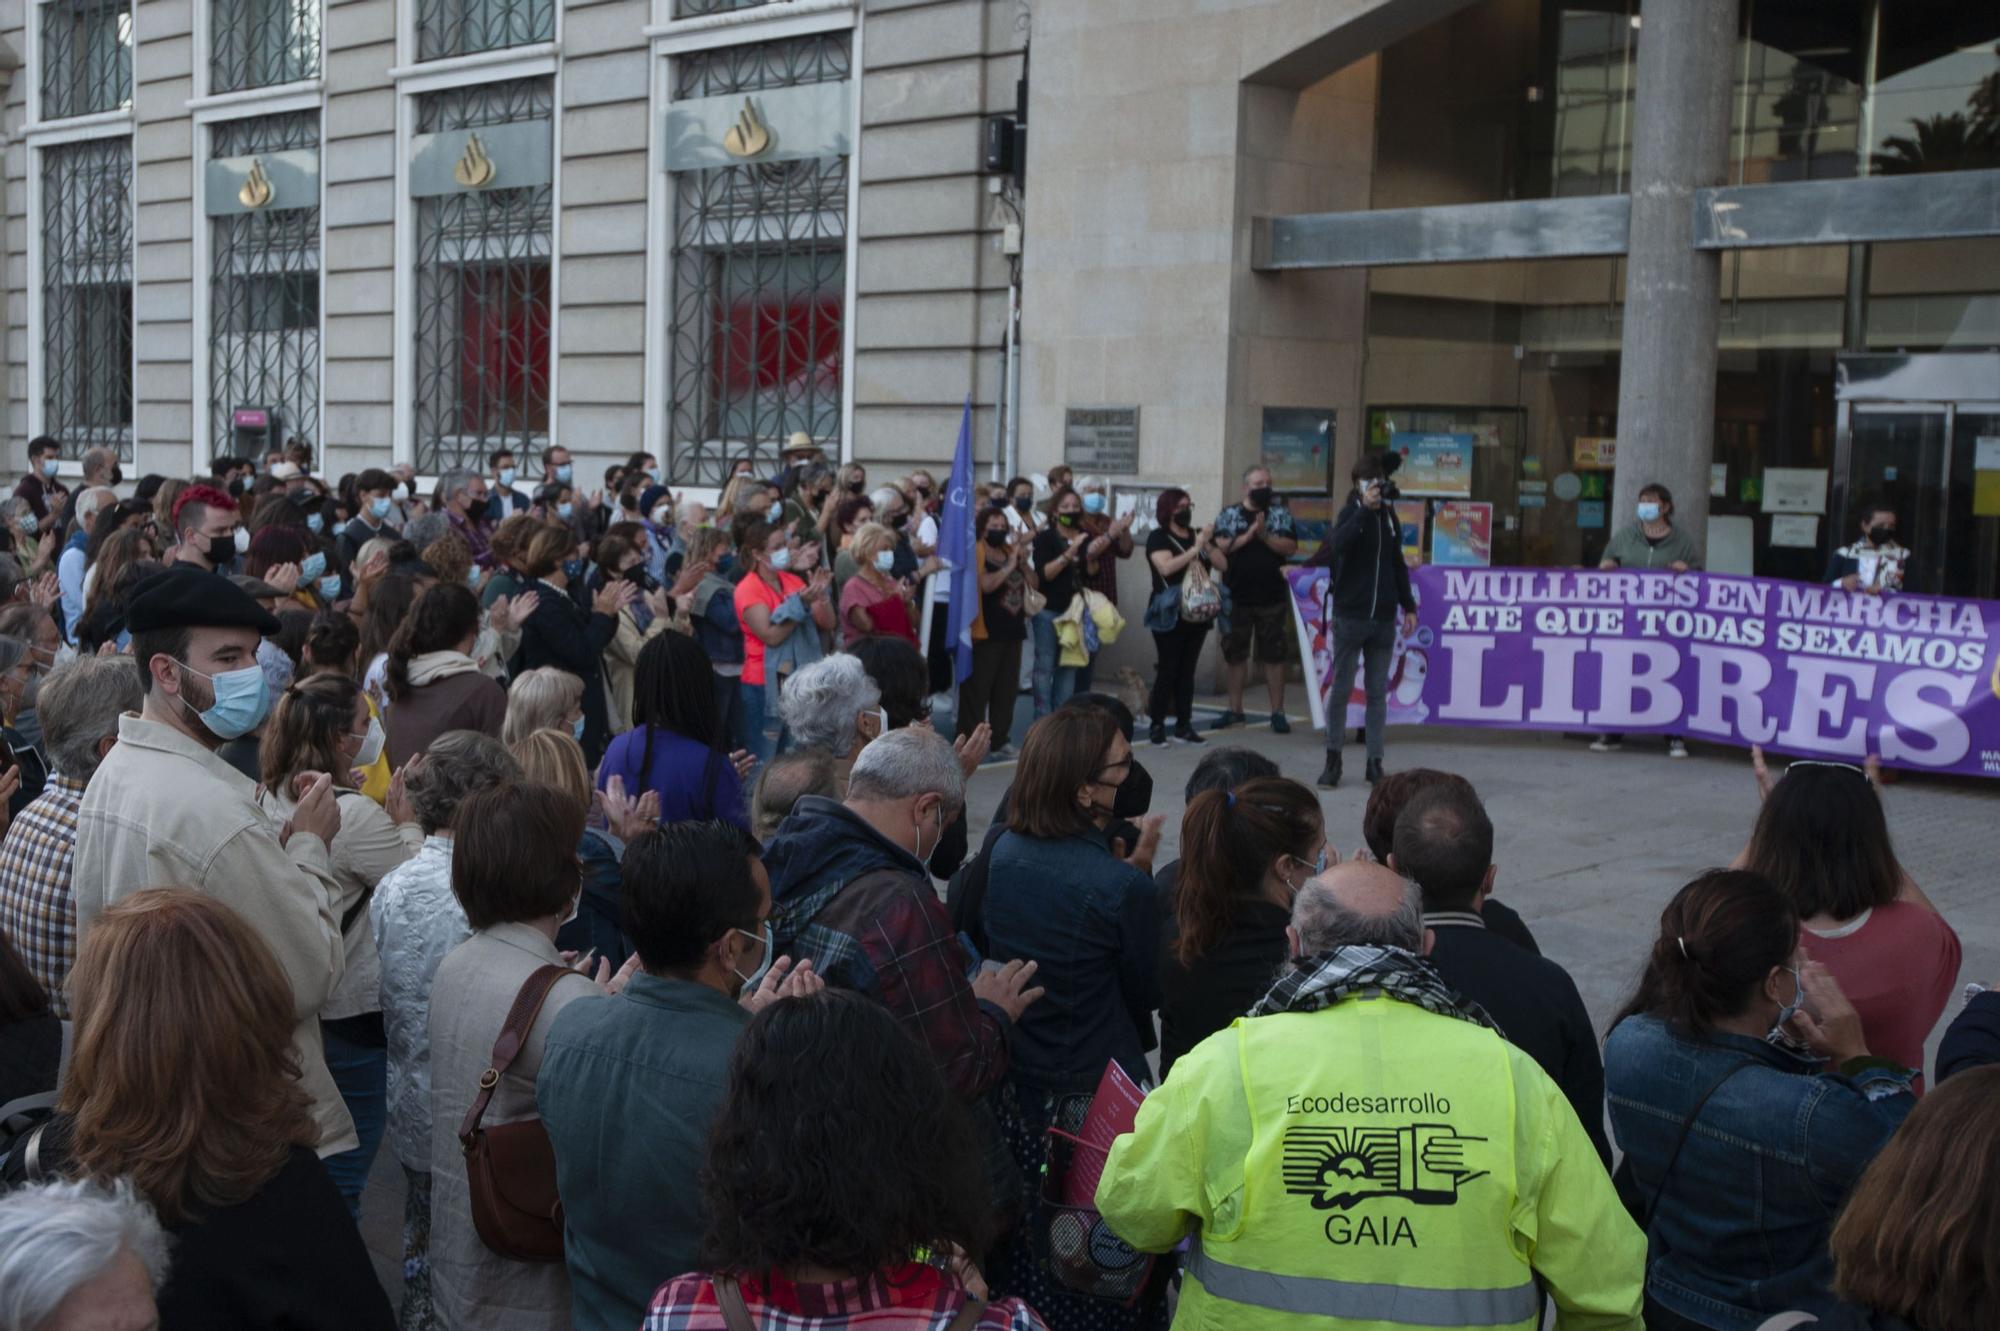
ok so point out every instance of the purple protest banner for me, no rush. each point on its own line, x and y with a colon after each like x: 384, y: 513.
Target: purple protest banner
x: 1801, y: 669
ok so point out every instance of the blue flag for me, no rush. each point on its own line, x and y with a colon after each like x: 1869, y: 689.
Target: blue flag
x: 957, y: 550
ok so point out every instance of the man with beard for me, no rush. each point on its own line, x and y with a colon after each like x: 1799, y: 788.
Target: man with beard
x: 164, y: 810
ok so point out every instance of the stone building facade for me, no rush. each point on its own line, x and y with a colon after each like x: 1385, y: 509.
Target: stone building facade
x: 268, y: 215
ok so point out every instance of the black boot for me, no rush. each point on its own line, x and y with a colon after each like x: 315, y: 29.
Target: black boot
x: 1158, y: 735
x: 1374, y: 770
x: 1329, y: 776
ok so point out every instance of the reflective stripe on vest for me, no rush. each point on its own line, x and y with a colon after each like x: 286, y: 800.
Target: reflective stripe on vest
x: 1314, y: 1296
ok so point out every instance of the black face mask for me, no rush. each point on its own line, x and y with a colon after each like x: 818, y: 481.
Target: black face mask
x: 1135, y: 793
x: 1068, y: 519
x: 1881, y: 535
x: 997, y: 539
x: 1261, y: 496
x: 854, y: 487
x: 897, y: 523
x: 1023, y: 503
x: 638, y: 577
x: 1184, y: 516
x: 222, y: 551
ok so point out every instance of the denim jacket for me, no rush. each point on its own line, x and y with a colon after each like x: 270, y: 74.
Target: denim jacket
x: 1741, y: 1231
x: 1093, y: 922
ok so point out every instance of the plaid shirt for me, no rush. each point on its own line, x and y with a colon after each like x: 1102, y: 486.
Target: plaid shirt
x: 36, y: 909
x: 903, y: 1300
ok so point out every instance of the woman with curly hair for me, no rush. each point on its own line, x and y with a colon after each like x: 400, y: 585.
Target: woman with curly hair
x: 184, y: 1080
x: 844, y: 1186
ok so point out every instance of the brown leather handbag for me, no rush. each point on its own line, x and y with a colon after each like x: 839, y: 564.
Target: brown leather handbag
x: 511, y: 1168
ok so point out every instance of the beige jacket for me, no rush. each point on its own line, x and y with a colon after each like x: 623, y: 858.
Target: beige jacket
x: 165, y: 812
x: 474, y: 1288
x: 621, y: 665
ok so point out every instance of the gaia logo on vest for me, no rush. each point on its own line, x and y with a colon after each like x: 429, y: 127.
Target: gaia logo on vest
x: 1339, y: 1168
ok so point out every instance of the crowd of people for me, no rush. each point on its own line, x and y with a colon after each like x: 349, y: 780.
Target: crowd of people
x: 596, y: 853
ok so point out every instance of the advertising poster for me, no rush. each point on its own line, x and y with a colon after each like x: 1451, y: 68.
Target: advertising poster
x: 1434, y: 465
x: 1297, y: 447
x: 1312, y: 517
x: 1462, y: 534
x: 1410, y: 518
x: 1803, y: 670
x: 1595, y: 453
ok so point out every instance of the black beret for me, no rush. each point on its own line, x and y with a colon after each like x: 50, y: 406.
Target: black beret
x: 187, y: 597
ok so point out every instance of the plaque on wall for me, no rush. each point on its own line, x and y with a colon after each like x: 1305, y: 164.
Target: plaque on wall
x: 1101, y: 439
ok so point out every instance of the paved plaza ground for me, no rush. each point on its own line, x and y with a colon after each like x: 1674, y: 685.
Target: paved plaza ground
x: 1590, y: 847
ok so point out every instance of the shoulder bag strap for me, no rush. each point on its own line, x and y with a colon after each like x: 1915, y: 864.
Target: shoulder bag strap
x: 1687, y: 1129
x: 729, y: 1298
x: 513, y: 1034
x: 968, y: 1316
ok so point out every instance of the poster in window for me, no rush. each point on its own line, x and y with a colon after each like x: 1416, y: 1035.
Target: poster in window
x: 1410, y: 522
x: 1297, y: 447
x: 1462, y: 535
x: 1434, y: 465
x: 1312, y: 521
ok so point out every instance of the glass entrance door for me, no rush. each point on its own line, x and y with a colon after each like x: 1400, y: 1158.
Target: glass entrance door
x: 1897, y: 455
x: 1972, y: 524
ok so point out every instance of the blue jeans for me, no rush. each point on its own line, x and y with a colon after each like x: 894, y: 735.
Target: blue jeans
x: 751, y: 701
x: 1374, y: 641
x: 361, y: 1071
x: 1053, y: 683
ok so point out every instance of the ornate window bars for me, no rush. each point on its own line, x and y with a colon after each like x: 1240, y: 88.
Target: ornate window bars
x: 263, y: 309
x: 448, y: 28
x: 86, y: 56
x: 262, y: 43
x: 758, y: 262
x: 86, y: 280
x: 482, y: 295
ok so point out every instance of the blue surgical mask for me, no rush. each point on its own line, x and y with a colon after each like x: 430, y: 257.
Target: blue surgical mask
x: 564, y: 472
x: 314, y: 522
x: 770, y: 942
x: 726, y: 563
x: 506, y: 476
x: 329, y: 587
x: 472, y: 576
x: 379, y: 507
x: 1649, y: 512
x: 1093, y: 503
x: 242, y: 697
x: 781, y: 558
x: 654, y: 472
x: 576, y: 731
x: 50, y: 466
x: 312, y: 566
x: 885, y: 560
x: 564, y: 510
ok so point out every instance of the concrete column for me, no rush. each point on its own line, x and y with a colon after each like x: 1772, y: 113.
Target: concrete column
x: 1680, y: 143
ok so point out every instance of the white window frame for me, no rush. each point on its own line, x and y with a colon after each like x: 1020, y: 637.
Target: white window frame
x: 269, y: 101
x: 670, y: 37
x: 208, y: 100
x: 542, y: 60
x: 38, y: 135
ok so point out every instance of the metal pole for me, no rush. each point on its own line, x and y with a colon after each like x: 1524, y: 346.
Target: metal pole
x: 1000, y: 417
x: 1680, y: 143
x: 1013, y: 379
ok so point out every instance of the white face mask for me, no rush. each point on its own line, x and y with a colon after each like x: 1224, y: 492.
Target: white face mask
x: 242, y: 539
x: 371, y: 745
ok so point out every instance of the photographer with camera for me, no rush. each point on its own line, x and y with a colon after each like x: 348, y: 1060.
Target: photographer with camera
x: 1371, y: 585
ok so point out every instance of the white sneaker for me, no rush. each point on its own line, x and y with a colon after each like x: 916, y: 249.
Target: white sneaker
x: 1676, y: 749
x: 1605, y: 744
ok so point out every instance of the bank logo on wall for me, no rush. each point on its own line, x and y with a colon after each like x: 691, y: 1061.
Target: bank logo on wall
x: 1339, y: 1168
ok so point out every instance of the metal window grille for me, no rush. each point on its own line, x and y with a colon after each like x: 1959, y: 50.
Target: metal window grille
x: 694, y: 8
x: 262, y: 43
x: 263, y: 294
x: 86, y: 57
x: 87, y: 295
x: 482, y: 295
x: 461, y: 27
x: 758, y: 265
